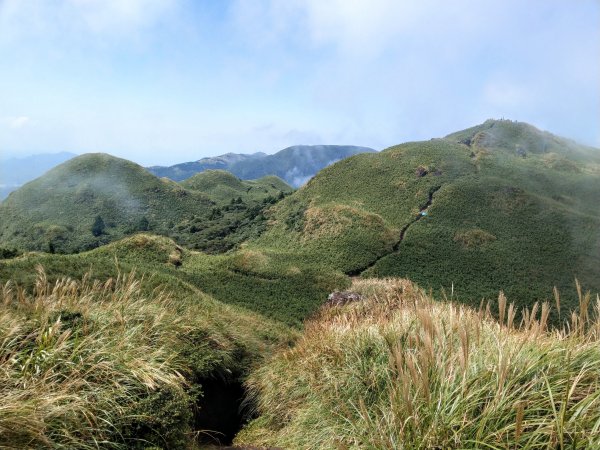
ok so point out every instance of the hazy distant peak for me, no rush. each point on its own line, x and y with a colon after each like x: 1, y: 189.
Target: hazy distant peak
x: 295, y: 165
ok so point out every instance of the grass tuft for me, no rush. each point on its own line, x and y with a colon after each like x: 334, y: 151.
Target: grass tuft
x: 400, y: 370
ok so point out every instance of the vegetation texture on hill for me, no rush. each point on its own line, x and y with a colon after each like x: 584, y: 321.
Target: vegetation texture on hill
x: 397, y: 369
x: 499, y: 206
x: 120, y: 362
x: 95, y: 199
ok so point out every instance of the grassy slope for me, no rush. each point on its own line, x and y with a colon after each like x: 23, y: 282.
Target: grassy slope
x: 400, y: 370
x: 498, y: 220
x: 135, y: 342
x: 56, y: 212
x: 223, y: 186
x: 60, y: 207
x: 272, y: 284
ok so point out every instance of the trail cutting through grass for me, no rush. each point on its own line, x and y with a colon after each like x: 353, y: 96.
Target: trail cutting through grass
x: 422, y: 213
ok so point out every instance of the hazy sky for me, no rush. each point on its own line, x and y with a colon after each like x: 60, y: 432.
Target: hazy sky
x: 166, y: 81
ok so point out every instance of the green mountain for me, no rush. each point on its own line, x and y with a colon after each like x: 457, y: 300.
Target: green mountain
x: 223, y: 186
x: 501, y: 206
x: 96, y: 198
x: 142, y: 350
x: 295, y: 165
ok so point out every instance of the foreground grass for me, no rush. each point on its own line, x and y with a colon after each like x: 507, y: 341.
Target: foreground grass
x: 89, y: 364
x: 399, y: 370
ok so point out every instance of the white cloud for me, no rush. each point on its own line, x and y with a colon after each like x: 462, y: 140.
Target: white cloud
x: 56, y: 20
x: 107, y: 15
x: 506, y: 94
x: 18, y: 122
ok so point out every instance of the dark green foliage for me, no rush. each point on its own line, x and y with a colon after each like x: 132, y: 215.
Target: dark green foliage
x: 6, y: 253
x: 98, y: 227
x: 162, y: 419
x: 144, y: 225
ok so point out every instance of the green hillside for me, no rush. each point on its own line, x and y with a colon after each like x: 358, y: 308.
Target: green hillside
x: 223, y: 186
x: 127, y: 353
x: 270, y: 283
x: 95, y: 199
x: 494, y: 218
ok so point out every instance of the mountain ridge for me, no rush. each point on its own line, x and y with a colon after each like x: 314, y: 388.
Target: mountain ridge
x: 295, y: 164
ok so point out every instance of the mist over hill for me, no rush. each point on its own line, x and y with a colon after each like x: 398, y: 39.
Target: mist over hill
x: 96, y: 198
x: 295, y: 165
x: 501, y: 205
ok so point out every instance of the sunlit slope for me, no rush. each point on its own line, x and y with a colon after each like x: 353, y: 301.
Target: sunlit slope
x: 147, y: 351
x: 522, y: 139
x: 223, y: 186
x: 401, y: 370
x: 494, y: 218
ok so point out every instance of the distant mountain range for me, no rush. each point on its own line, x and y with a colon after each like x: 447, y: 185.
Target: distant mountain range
x: 15, y: 172
x: 295, y: 165
x: 182, y: 171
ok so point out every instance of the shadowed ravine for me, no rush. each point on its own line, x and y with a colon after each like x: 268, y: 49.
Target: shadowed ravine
x: 358, y: 272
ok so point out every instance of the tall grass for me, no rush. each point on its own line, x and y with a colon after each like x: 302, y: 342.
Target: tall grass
x: 400, y: 370
x: 117, y: 364
x: 77, y: 357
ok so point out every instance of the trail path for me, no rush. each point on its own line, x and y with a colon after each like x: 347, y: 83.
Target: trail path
x: 358, y: 272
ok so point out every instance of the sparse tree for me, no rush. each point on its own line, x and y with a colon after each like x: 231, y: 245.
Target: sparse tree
x: 143, y: 224
x: 98, y: 226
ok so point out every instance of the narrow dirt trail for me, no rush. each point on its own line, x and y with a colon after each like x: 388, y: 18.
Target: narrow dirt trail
x: 358, y: 272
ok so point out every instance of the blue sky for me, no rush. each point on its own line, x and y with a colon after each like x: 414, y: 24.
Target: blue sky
x: 166, y: 81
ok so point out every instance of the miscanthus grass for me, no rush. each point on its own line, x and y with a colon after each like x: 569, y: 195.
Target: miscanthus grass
x: 402, y: 371
x: 77, y: 357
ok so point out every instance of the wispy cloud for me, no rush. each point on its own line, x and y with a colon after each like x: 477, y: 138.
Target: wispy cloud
x: 73, y: 19
x: 17, y: 122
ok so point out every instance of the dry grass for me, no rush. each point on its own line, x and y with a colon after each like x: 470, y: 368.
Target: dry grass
x: 76, y: 356
x: 88, y: 364
x: 401, y: 370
